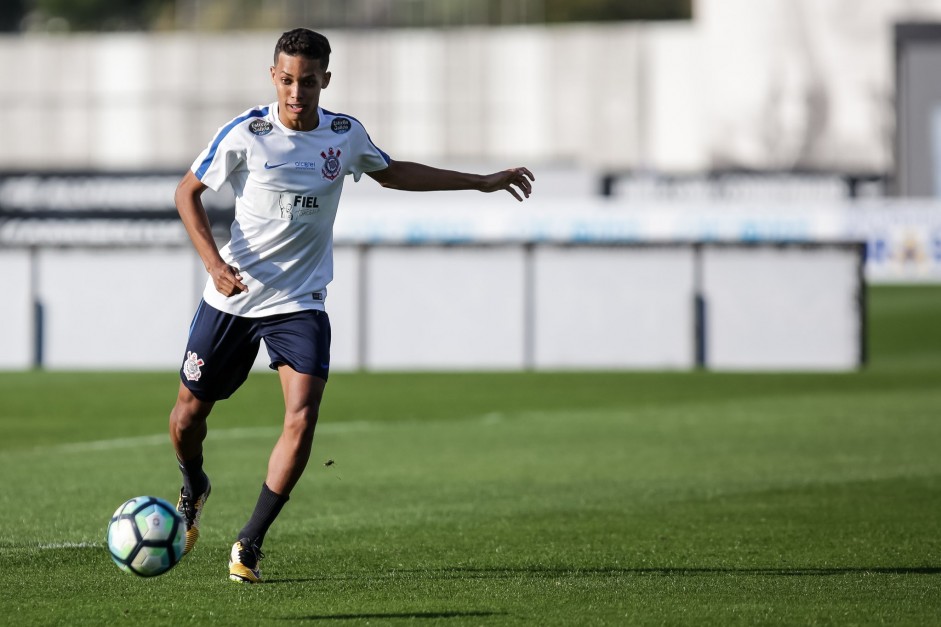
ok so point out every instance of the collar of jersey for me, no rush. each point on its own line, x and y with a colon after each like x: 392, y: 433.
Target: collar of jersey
x: 290, y: 131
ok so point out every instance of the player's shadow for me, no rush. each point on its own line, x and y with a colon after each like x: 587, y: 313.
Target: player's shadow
x: 796, y: 571
x: 461, y: 572
x: 466, y: 572
x: 379, y: 616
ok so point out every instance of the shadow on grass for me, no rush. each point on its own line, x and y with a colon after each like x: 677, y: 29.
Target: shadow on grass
x: 459, y: 572
x: 429, y: 615
x: 502, y: 573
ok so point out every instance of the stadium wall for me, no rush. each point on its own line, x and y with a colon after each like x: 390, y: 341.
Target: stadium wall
x: 777, y: 84
x: 468, y: 307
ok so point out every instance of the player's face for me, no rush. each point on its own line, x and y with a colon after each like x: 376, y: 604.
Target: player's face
x: 298, y: 81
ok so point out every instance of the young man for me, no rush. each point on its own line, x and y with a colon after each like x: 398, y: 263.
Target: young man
x: 286, y: 163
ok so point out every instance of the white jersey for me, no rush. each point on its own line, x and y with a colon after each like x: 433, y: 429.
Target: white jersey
x: 287, y: 187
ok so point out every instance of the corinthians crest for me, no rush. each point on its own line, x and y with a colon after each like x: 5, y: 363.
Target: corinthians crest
x: 331, y: 164
x: 191, y: 367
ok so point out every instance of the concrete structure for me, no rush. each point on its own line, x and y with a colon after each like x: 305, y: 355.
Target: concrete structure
x: 766, y: 84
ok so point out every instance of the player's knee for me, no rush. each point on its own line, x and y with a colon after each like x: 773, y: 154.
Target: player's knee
x: 299, y: 424
x: 189, y: 412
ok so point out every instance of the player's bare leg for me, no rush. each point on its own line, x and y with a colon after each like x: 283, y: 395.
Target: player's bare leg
x: 302, y: 396
x: 188, y: 424
x: 187, y: 432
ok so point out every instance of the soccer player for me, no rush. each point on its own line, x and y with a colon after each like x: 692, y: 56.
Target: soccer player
x: 286, y: 163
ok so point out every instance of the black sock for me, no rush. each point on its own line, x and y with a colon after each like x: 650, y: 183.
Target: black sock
x: 266, y: 510
x: 195, y: 480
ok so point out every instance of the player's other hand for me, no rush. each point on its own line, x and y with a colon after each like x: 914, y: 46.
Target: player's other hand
x: 227, y: 280
x: 515, y: 180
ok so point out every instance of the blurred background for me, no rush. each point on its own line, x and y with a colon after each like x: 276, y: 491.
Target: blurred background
x: 718, y: 181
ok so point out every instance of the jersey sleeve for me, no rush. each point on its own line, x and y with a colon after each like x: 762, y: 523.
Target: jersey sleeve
x: 367, y: 156
x: 228, y: 148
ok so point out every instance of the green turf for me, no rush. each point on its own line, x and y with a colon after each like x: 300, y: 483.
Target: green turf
x: 491, y: 499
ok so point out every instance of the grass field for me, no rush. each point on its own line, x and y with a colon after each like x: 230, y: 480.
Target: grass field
x: 491, y: 499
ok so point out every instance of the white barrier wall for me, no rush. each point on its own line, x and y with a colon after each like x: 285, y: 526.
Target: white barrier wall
x: 782, y: 308
x: 453, y: 308
x: 470, y: 307
x: 16, y: 313
x: 614, y: 307
x: 343, y: 306
x: 115, y: 308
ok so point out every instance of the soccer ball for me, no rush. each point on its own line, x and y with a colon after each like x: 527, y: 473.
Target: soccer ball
x: 146, y: 536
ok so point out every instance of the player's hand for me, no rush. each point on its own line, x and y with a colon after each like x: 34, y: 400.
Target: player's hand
x: 515, y: 180
x: 227, y: 280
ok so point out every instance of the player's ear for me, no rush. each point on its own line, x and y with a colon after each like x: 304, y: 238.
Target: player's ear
x: 326, y: 79
x: 272, y: 74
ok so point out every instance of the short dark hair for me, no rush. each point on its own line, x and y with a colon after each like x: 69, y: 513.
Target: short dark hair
x: 305, y: 43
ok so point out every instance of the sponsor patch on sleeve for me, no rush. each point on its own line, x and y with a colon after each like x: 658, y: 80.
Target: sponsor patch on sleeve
x: 260, y: 127
x: 340, y: 125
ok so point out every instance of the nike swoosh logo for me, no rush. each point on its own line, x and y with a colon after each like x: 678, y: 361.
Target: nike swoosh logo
x: 276, y: 165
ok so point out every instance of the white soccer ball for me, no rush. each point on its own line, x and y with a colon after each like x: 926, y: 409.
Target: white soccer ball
x: 146, y: 536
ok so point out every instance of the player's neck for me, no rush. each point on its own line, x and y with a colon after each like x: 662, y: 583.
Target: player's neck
x: 307, y: 123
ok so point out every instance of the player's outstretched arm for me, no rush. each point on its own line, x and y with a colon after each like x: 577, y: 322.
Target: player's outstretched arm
x: 417, y: 177
x: 227, y: 279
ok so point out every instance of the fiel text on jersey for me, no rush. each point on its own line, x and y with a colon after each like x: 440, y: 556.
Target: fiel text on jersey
x: 297, y: 205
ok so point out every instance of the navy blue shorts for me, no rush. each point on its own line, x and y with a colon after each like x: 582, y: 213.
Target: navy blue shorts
x: 222, y: 348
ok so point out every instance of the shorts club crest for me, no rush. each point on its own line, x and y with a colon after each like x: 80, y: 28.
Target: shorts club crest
x: 191, y: 367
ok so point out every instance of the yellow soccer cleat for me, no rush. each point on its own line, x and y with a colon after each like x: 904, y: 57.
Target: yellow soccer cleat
x: 243, y: 562
x: 191, y: 510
